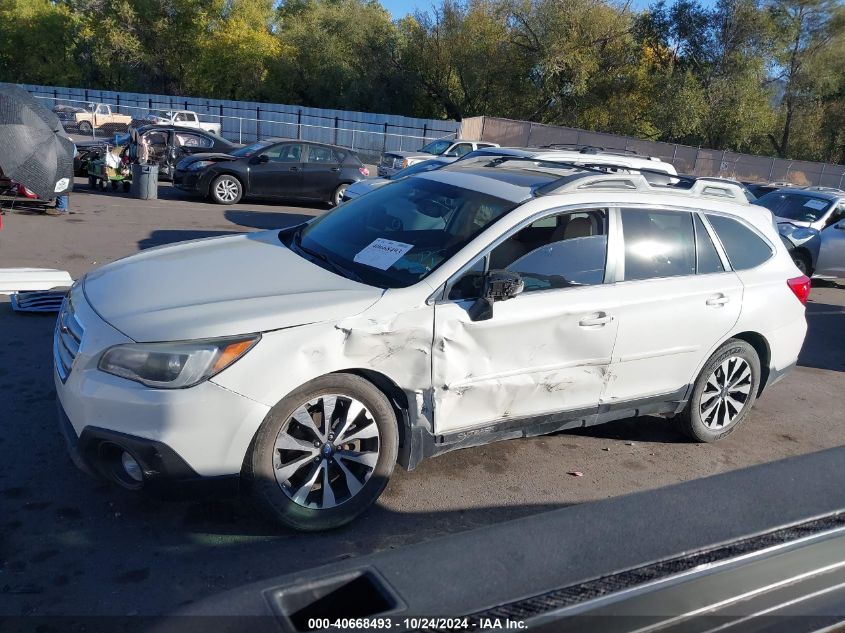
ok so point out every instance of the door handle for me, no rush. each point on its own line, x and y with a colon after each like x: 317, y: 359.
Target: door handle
x: 717, y: 300
x: 293, y: 169
x: 599, y: 319
x: 335, y: 168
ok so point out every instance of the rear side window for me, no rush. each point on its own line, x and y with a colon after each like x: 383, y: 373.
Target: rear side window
x: 745, y: 249
x: 707, y: 259
x: 658, y: 244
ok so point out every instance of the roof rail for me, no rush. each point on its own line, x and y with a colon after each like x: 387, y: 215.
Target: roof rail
x: 590, y: 149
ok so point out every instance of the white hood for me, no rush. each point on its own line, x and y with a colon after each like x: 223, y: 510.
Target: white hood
x: 219, y: 287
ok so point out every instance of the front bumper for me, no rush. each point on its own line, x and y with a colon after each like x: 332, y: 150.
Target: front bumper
x: 190, y: 181
x: 178, y: 435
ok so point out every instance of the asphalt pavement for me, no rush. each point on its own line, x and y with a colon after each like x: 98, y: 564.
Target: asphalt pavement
x: 73, y: 546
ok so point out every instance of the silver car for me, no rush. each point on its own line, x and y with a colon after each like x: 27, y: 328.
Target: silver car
x: 358, y: 189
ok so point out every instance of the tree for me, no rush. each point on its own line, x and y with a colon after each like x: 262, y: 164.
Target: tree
x: 805, y: 28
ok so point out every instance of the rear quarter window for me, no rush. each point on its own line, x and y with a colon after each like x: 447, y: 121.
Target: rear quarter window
x: 745, y: 249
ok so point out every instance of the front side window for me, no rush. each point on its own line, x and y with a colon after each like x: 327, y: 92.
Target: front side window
x: 284, y: 153
x: 461, y: 149
x: 102, y: 110
x: 181, y: 117
x: 795, y: 206
x: 744, y: 248
x: 658, y: 244
x: 396, y: 235
x: 560, y: 251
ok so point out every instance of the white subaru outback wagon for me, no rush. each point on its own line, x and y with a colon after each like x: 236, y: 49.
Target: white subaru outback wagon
x: 496, y: 299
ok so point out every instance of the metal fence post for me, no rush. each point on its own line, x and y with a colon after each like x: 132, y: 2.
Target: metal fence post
x: 299, y: 125
x: 384, y: 140
x: 353, y: 140
x: 336, y: 122
x: 240, y: 129
x: 258, y: 123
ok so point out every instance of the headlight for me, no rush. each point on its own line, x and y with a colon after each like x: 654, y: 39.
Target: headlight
x: 200, y: 164
x: 174, y: 365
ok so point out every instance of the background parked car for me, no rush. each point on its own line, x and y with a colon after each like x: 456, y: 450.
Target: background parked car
x: 182, y: 118
x: 169, y: 144
x: 97, y: 116
x: 392, y: 162
x: 803, y: 216
x: 274, y: 168
x: 365, y: 186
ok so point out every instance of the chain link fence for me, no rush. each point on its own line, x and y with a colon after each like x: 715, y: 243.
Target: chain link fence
x: 694, y: 161
x: 244, y: 122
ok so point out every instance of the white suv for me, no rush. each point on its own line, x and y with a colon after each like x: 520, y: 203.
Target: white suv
x: 453, y: 308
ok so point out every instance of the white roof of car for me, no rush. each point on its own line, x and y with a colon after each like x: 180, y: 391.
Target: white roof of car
x: 587, y: 157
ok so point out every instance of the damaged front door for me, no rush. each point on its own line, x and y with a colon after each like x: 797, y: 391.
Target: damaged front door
x: 545, y: 351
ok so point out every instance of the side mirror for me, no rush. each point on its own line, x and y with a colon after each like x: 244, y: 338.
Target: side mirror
x: 841, y: 226
x: 452, y: 154
x: 263, y: 158
x: 499, y: 285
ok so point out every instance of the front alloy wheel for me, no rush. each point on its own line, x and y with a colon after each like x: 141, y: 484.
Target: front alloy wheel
x: 324, y: 453
x: 226, y: 190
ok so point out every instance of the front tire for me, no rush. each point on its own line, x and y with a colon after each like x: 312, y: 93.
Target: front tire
x: 85, y: 128
x: 226, y: 189
x: 323, y: 454
x: 724, y: 392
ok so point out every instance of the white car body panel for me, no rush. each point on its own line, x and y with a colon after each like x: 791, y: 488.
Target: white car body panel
x: 239, y: 284
x: 14, y: 280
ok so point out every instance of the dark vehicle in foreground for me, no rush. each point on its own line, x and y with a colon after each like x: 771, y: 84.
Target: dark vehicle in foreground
x: 169, y: 144
x: 274, y: 169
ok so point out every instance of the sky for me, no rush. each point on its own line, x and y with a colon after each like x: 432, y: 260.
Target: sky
x: 400, y: 8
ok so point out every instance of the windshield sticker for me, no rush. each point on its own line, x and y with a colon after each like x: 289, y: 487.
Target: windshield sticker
x: 816, y: 204
x: 382, y: 253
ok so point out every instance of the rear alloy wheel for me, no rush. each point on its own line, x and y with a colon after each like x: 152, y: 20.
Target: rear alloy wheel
x: 85, y: 128
x: 724, y: 392
x: 226, y: 189
x: 337, y: 197
x: 324, y: 454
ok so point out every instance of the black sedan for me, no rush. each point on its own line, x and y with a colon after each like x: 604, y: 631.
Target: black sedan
x: 275, y: 169
x: 169, y: 144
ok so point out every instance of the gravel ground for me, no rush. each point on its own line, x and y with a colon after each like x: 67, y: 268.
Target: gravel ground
x: 70, y: 545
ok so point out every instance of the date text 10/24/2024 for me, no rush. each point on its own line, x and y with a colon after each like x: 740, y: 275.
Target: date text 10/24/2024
x: 415, y: 623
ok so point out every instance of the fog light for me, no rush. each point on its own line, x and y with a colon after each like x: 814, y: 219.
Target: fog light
x: 132, y: 467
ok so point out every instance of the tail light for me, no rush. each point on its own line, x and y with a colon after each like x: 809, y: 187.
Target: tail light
x: 364, y: 172
x: 800, y: 286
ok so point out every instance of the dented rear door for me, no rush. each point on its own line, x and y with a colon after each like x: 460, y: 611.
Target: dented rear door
x: 541, y: 353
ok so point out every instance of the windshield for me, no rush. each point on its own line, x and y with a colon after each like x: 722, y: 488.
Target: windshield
x: 436, y: 147
x: 419, y: 168
x: 396, y: 235
x: 161, y: 114
x: 795, y: 206
x: 249, y: 150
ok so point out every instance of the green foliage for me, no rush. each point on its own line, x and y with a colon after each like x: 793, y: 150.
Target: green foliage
x: 761, y: 76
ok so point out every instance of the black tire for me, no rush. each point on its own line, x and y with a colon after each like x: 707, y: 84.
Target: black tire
x: 337, y: 196
x: 218, y: 188
x: 704, y: 428
x: 259, y: 474
x: 92, y: 182
x: 126, y: 186
x: 85, y: 128
x: 803, y: 262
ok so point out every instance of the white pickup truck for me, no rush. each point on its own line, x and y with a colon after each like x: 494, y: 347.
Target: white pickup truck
x: 184, y: 118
